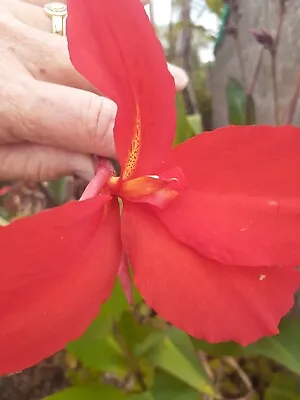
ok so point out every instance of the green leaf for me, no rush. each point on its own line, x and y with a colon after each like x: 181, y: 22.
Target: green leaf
x: 101, y: 354
x: 3, y: 222
x: 141, y: 396
x: 219, y: 349
x: 215, y: 6
x: 110, y: 312
x: 195, y: 121
x: 96, y: 348
x: 179, y: 360
x: 283, y: 348
x: 59, y: 189
x: 88, y: 393
x: 184, y: 129
x: 141, y: 339
x: 241, y: 107
x: 283, y: 387
x: 167, y: 387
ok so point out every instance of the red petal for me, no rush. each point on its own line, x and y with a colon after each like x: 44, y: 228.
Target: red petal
x: 113, y: 45
x: 243, y: 206
x: 56, y: 269
x: 208, y: 300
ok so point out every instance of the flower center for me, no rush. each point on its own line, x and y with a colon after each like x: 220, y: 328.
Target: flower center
x: 152, y: 189
x: 157, y: 190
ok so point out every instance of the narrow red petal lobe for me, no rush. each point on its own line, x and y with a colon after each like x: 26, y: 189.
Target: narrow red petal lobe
x: 206, y: 299
x: 56, y: 269
x: 243, y: 202
x: 113, y: 45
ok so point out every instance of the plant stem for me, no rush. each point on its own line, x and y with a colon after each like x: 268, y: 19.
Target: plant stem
x: 241, y: 62
x: 256, y: 71
x: 131, y: 361
x: 274, y: 66
x: 293, y: 103
x: 275, y: 88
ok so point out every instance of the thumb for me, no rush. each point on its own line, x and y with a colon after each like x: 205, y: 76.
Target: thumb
x: 62, y: 117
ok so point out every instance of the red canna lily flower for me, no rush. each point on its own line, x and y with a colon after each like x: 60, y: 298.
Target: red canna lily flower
x: 211, y: 227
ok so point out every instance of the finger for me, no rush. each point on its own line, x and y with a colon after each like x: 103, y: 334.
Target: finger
x: 29, y: 13
x: 59, y: 116
x: 45, y: 55
x: 180, y: 76
x: 38, y: 163
x: 40, y: 3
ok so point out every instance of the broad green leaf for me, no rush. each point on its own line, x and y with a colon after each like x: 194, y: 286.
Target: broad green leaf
x: 141, y: 339
x: 283, y: 387
x: 184, y: 343
x: 176, y: 359
x: 168, y: 387
x: 88, y: 393
x: 102, y: 354
x: 195, y: 121
x: 283, y: 348
x: 241, y: 107
x: 218, y: 349
x: 138, y: 342
x: 3, y: 222
x: 184, y: 129
x: 59, y: 190
x: 96, y: 348
x: 141, y: 396
x: 110, y: 312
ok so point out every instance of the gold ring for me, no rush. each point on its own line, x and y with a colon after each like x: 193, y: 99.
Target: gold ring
x: 58, y: 13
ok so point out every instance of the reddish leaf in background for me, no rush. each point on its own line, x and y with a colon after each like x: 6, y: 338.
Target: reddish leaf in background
x: 185, y: 212
x: 112, y: 44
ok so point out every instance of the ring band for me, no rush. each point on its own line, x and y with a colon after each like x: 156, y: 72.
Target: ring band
x: 58, y: 13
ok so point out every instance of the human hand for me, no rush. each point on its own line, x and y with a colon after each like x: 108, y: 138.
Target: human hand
x: 51, y: 119
x: 49, y: 126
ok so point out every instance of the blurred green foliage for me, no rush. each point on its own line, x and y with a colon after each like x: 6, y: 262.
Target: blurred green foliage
x: 134, y: 355
x: 241, y: 108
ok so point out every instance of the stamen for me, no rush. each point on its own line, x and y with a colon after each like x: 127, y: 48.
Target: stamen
x: 104, y: 172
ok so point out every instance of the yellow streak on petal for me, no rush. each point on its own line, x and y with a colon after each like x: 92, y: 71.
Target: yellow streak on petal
x: 134, y: 149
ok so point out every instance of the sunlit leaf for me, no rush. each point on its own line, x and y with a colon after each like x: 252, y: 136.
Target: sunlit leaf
x: 283, y: 348
x: 3, y: 222
x: 176, y: 358
x: 102, y: 354
x: 184, y: 129
x: 195, y: 121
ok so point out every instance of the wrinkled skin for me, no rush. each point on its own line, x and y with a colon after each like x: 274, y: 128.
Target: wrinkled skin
x: 49, y: 126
